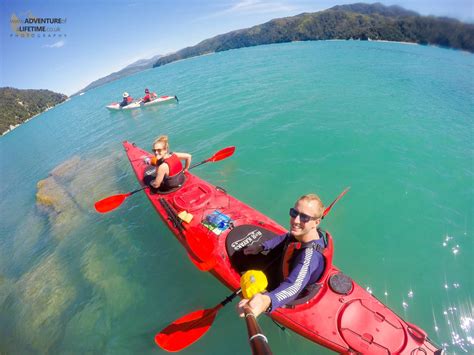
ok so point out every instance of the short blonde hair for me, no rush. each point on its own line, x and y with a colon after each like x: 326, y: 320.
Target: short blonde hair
x: 162, y: 139
x: 313, y: 198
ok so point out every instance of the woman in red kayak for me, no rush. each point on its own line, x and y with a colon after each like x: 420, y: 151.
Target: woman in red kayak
x: 302, y: 261
x: 169, y: 169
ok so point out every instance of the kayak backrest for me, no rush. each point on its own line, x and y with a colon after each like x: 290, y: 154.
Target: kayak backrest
x: 328, y: 254
x: 251, y: 234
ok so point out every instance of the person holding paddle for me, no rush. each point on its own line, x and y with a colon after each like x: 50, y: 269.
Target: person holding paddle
x: 169, y: 169
x: 187, y: 329
x: 302, y: 260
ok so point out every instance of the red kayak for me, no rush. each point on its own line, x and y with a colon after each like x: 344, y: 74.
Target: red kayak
x: 336, y: 312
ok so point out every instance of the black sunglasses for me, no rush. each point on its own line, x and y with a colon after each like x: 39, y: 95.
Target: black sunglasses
x: 303, y: 217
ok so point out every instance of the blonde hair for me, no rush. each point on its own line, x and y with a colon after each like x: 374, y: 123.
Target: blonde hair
x: 162, y: 139
x: 313, y: 198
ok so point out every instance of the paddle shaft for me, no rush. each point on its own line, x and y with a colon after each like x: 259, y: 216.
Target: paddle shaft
x: 138, y: 190
x: 110, y: 203
x: 258, y: 341
x: 326, y: 211
x: 197, y: 164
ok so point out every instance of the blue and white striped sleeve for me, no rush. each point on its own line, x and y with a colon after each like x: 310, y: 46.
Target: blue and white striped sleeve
x: 274, y: 242
x: 306, y: 262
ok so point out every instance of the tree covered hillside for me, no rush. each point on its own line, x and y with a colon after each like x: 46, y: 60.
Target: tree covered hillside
x: 16, y: 106
x: 357, y: 21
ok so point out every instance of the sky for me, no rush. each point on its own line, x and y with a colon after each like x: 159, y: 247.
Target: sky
x: 98, y: 37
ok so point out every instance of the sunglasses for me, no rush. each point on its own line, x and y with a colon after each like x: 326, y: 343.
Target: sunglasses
x: 303, y: 217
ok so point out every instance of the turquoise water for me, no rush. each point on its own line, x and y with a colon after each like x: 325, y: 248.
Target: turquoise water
x: 393, y: 121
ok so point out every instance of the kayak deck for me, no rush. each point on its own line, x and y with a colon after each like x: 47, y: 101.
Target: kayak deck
x: 341, y: 315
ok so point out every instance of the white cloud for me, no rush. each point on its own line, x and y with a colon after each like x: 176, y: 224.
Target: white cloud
x: 58, y: 44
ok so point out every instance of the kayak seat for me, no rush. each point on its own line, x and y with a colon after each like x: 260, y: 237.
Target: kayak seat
x: 249, y: 234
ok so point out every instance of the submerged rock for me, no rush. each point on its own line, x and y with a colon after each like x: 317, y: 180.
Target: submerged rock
x: 95, y: 179
x: 67, y: 170
x: 26, y: 242
x: 69, y: 193
x: 44, y: 294
x: 6, y: 287
x: 91, y: 323
x: 63, y: 211
x: 110, y: 278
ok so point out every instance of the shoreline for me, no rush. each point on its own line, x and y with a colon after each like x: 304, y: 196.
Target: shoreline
x: 312, y: 40
x: 12, y: 128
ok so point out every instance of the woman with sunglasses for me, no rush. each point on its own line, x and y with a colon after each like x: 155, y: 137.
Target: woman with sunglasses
x: 302, y: 259
x: 169, y: 169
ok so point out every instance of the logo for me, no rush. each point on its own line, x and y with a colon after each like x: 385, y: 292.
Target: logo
x: 37, y: 27
x: 249, y: 239
x: 150, y: 171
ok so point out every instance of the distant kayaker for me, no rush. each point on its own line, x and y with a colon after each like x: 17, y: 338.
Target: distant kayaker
x: 302, y: 260
x: 127, y: 99
x: 169, y: 169
x: 148, y: 96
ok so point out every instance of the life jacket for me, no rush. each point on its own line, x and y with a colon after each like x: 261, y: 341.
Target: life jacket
x: 291, y: 249
x: 126, y: 101
x: 175, y: 177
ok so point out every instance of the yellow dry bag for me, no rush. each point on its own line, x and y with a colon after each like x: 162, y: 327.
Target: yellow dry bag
x: 253, y: 282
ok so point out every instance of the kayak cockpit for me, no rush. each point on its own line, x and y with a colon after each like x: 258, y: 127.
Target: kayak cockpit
x: 270, y: 262
x: 150, y: 175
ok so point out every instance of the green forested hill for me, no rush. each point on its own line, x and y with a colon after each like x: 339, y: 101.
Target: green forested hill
x: 16, y: 106
x: 357, y: 21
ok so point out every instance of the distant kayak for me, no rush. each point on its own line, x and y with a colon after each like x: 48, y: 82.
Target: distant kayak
x: 138, y: 104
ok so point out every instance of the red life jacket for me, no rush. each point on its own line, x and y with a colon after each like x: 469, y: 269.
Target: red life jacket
x: 289, y: 252
x: 174, y: 165
x: 175, y: 177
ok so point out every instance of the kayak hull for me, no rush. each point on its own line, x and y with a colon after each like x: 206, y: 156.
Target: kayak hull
x: 134, y: 105
x: 341, y: 316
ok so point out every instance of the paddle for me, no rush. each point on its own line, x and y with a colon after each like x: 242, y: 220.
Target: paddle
x: 258, y: 341
x: 188, y: 329
x: 112, y: 202
x: 326, y: 211
x: 221, y: 154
